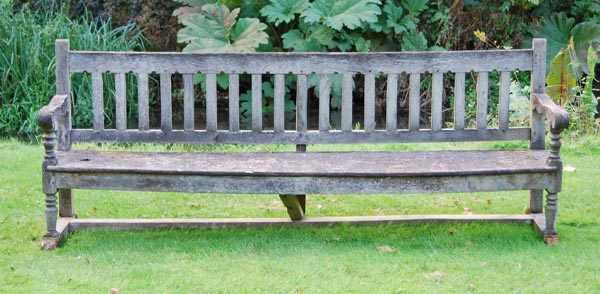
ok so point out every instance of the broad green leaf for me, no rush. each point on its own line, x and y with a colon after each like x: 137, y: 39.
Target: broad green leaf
x: 585, y: 34
x: 216, y: 30
x: 557, y: 30
x: 362, y: 45
x: 279, y: 11
x: 414, y: 42
x: 561, y: 79
x: 316, y: 39
x: 414, y: 7
x: 343, y: 13
x: 394, y: 17
x: 247, y: 34
x: 588, y: 99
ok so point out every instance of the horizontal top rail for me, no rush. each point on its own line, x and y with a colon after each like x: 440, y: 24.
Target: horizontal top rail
x: 301, y: 63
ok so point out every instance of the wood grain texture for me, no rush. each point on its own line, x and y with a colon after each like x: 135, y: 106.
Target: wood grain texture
x: 414, y: 102
x: 483, y: 90
x: 392, y: 103
x: 309, y: 137
x: 436, y: 101
x: 538, y: 85
x: 347, y: 84
x: 279, y: 104
x: 369, y: 107
x: 234, y: 103
x: 301, y: 63
x: 143, y: 103
x: 98, y: 101
x: 188, y: 102
x: 301, y: 104
x: 120, y: 102
x: 257, y: 103
x: 166, y: 110
x: 211, y: 102
x: 324, y: 100
x: 459, y: 101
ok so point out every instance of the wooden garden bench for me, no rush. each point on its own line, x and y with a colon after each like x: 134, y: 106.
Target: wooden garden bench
x: 292, y: 175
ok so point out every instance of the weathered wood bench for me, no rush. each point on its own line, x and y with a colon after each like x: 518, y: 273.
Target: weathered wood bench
x: 293, y: 175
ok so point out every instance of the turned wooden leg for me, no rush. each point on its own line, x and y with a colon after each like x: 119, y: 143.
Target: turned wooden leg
x: 550, y: 234
x: 52, y: 236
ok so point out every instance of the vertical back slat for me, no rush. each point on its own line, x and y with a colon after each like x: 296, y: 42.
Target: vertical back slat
x: 414, y: 103
x: 120, y: 102
x: 256, y: 103
x: 98, y: 101
x: 459, y: 101
x: 538, y: 85
x: 392, y: 103
x: 369, y: 102
x: 482, y: 100
x: 211, y: 102
x: 324, y: 94
x: 143, y: 108
x: 279, y: 104
x: 504, y: 103
x: 347, y: 102
x: 234, y: 103
x: 301, y: 104
x: 188, y: 102
x: 436, y: 101
x: 166, y: 121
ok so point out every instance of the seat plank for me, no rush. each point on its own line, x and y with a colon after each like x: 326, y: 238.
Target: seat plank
x: 322, y: 164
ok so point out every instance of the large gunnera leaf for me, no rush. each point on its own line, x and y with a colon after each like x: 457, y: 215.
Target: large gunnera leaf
x: 279, y: 11
x: 217, y: 30
x: 561, y: 80
x: 342, y: 13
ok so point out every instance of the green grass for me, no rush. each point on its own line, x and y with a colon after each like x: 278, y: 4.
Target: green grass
x: 430, y: 258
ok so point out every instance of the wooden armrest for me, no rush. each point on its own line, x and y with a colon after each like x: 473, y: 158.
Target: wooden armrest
x: 49, y: 114
x: 556, y: 115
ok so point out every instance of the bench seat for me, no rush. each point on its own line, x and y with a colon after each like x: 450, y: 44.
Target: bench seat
x: 306, y: 173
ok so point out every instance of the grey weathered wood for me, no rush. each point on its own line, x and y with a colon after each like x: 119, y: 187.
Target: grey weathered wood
x: 211, y: 102
x: 234, y: 103
x: 143, y: 101
x: 293, y: 205
x: 295, y: 174
x: 538, y: 85
x: 309, y: 137
x: 188, y: 102
x: 482, y: 99
x: 166, y: 121
x: 459, y: 101
x: 324, y: 96
x: 369, y: 108
x: 256, y: 103
x: 414, y: 103
x: 98, y: 101
x: 392, y: 103
x: 120, y: 102
x: 301, y: 104
x: 436, y: 101
x: 504, y: 101
x: 63, y: 87
x: 301, y: 63
x: 279, y: 107
x: 347, y: 80
x: 77, y: 225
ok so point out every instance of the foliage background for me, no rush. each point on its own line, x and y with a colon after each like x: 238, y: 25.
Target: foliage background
x: 28, y: 29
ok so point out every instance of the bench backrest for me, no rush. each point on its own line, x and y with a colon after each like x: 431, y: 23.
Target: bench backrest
x: 439, y: 68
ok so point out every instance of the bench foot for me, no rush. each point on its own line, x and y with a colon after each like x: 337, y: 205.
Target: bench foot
x: 50, y: 242
x: 551, y: 239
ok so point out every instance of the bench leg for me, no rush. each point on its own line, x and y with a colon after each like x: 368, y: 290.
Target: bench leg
x: 536, y: 201
x: 52, y: 236
x: 295, y: 204
x: 65, y: 206
x: 550, y: 234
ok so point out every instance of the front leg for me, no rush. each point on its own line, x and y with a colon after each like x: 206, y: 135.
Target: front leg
x: 52, y: 236
x: 550, y: 234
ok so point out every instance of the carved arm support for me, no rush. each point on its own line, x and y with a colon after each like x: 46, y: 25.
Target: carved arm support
x: 556, y: 115
x: 48, y: 118
x: 558, y: 118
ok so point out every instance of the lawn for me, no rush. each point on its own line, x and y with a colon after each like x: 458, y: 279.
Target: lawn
x: 429, y: 258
